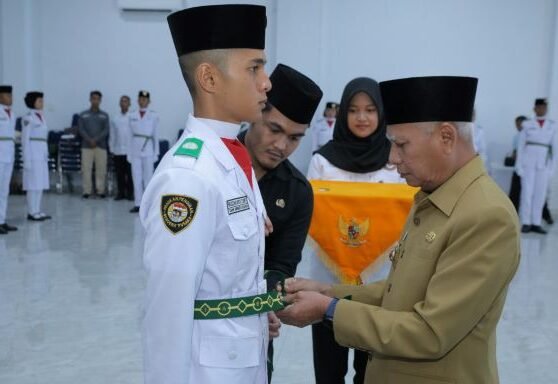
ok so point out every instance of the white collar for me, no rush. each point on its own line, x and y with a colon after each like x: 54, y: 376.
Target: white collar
x: 221, y: 128
x: 5, y: 107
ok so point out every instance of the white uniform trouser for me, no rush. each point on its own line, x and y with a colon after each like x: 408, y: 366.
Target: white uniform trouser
x: 534, y: 185
x: 34, y: 201
x: 142, y: 171
x: 5, y: 177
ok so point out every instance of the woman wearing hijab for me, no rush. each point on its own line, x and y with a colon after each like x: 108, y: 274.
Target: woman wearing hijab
x: 35, y: 155
x: 359, y: 152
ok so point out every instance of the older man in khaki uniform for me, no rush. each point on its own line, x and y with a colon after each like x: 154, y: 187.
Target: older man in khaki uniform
x: 434, y: 319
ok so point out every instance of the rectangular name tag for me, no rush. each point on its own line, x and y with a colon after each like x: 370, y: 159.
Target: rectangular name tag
x: 238, y: 205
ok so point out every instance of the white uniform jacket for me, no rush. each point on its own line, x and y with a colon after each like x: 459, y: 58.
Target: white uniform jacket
x: 144, y: 135
x: 34, y: 146
x: 321, y: 169
x: 7, y: 136
x: 322, y: 132
x: 537, y: 147
x: 120, y: 134
x: 216, y: 251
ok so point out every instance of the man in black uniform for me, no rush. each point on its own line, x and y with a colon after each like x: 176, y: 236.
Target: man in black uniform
x: 286, y: 193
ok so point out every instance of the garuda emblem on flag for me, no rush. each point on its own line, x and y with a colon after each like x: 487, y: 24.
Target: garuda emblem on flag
x: 353, y: 231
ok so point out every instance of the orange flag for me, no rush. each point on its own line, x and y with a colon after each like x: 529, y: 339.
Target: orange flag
x: 353, y: 224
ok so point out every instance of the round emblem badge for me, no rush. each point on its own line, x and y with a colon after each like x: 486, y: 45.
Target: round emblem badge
x: 178, y: 211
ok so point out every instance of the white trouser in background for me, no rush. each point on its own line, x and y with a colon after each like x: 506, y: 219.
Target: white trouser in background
x: 142, y: 171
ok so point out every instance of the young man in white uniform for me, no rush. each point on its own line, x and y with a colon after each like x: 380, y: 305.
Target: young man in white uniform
x: 144, y: 146
x: 535, y: 164
x: 322, y: 129
x: 7, y: 134
x: 206, y: 302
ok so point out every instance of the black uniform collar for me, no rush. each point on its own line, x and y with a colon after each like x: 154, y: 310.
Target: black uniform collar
x: 283, y: 171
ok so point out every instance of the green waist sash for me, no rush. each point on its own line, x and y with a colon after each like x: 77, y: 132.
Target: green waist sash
x: 238, y: 307
x: 37, y: 139
x: 4, y: 138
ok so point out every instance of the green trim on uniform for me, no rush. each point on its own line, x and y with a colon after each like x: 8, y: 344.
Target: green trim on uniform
x: 37, y: 139
x: 7, y: 139
x: 241, y: 306
x: 190, y: 147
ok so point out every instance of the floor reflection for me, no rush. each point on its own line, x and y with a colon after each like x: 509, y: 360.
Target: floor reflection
x: 71, y: 293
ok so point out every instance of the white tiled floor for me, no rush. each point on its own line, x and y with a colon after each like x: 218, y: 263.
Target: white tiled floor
x: 71, y: 292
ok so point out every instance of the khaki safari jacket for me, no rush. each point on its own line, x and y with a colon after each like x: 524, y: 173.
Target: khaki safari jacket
x: 434, y: 319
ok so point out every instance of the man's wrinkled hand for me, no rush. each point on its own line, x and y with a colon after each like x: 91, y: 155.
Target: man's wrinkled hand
x: 274, y: 325
x: 304, y: 308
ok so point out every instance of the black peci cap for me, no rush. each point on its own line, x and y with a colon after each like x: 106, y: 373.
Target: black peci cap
x: 540, y: 102
x: 218, y: 27
x: 431, y: 98
x: 293, y: 94
x: 332, y: 104
x: 31, y: 97
x: 143, y: 93
x: 5, y: 89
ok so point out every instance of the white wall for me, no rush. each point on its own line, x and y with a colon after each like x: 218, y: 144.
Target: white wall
x: 13, y: 51
x: 553, y: 110
x: 507, y: 44
x: 69, y: 47
x: 1, y: 41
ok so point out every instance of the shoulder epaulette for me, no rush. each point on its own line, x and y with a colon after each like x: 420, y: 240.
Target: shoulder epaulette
x: 191, y: 147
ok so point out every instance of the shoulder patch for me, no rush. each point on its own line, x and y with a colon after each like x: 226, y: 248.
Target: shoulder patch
x: 178, y: 211
x: 190, y: 147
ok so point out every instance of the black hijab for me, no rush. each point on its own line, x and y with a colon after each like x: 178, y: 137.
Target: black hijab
x: 349, y: 152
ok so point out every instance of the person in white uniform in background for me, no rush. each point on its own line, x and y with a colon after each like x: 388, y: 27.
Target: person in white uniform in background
x: 7, y: 153
x: 358, y: 152
x: 322, y: 129
x: 535, y: 164
x: 119, y: 139
x: 479, y: 141
x: 143, y: 150
x: 35, y: 155
x: 207, y: 306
